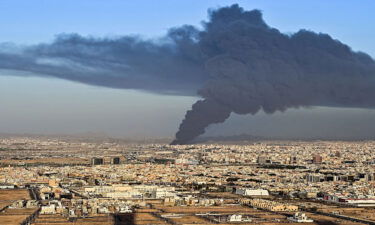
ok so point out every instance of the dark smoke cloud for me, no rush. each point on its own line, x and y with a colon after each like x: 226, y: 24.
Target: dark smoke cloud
x: 236, y: 62
x: 169, y: 65
x: 254, y: 67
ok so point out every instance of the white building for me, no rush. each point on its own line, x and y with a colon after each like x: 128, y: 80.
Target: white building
x: 235, y: 218
x: 300, y: 218
x: 49, y: 209
x: 251, y: 192
x: 361, y: 202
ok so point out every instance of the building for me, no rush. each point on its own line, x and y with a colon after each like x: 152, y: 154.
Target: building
x: 49, y: 209
x: 317, y: 159
x: 235, y: 218
x: 360, y: 202
x: 53, y: 183
x: 300, y: 218
x: 313, y: 178
x: 115, y: 160
x: 97, y: 161
x: 7, y: 186
x: 263, y: 160
x: 271, y: 205
x: 293, y: 159
x: 252, y: 192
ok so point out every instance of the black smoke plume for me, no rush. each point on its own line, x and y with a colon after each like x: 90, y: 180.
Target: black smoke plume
x: 236, y: 63
x: 168, y: 65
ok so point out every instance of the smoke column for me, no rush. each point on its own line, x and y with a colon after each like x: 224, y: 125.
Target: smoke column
x: 236, y: 63
x: 254, y: 67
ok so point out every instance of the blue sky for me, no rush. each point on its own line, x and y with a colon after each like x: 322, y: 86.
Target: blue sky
x: 37, y: 105
x: 34, y: 21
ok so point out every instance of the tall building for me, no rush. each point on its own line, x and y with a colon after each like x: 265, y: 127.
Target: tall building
x: 97, y: 161
x: 317, y: 159
x: 312, y: 178
x: 115, y: 160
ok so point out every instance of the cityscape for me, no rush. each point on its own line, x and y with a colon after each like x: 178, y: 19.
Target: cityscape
x: 61, y: 181
x: 188, y: 112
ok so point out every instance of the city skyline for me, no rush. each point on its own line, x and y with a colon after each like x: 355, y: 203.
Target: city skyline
x: 145, y: 112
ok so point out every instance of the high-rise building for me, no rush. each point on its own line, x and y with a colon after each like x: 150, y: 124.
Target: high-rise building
x: 97, y: 161
x: 312, y: 178
x: 115, y: 160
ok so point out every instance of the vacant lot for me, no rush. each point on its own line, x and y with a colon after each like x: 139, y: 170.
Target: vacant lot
x: 147, y: 218
x: 206, y: 209
x: 60, y: 220
x: 188, y: 215
x: 4, y: 204
x: 22, y: 211
x: 7, y: 197
x: 189, y: 219
x: 361, y: 213
x: 15, y: 216
x: 12, y: 219
x: 14, y: 194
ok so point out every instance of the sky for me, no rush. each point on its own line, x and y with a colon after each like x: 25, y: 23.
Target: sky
x: 52, y: 106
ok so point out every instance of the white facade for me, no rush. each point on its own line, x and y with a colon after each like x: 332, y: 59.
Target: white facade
x: 251, y: 192
x: 50, y: 209
x: 300, y: 218
x: 134, y: 191
x: 235, y: 218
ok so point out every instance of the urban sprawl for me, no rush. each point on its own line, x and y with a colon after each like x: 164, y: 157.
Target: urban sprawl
x: 56, y: 181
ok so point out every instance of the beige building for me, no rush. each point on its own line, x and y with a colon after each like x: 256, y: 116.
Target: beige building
x: 270, y: 205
